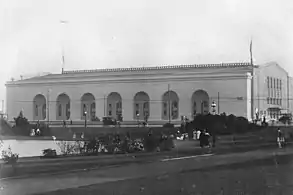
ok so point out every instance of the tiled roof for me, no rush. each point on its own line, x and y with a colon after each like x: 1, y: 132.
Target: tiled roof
x: 222, y: 65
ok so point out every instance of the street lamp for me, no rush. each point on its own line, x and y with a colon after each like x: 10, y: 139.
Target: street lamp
x: 85, y: 119
x: 214, y: 107
x: 48, y: 108
x: 137, y: 117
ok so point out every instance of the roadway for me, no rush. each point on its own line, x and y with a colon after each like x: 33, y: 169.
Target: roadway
x: 172, y: 165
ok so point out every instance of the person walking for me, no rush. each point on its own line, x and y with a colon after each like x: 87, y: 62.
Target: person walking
x: 280, y: 138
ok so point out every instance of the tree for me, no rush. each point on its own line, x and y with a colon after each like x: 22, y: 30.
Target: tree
x: 21, y: 121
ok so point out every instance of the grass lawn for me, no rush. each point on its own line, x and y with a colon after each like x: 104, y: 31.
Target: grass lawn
x: 267, y: 176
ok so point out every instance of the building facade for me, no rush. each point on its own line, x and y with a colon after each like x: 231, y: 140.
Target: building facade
x: 156, y: 93
x: 272, y: 91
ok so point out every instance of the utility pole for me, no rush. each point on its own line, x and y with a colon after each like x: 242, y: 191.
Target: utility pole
x: 218, y: 102
x: 48, y: 107
x: 252, y: 81
x: 169, y: 103
x: 104, y: 105
x: 3, y: 106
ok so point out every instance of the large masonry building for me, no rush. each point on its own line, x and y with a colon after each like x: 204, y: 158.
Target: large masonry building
x: 158, y: 93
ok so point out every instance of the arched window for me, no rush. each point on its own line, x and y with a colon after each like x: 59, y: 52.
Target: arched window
x: 110, y: 110
x: 68, y: 111
x: 194, y: 109
x: 60, y: 110
x: 37, y: 110
x: 93, y: 110
x: 170, y: 102
x: 174, y: 111
x: 44, y: 111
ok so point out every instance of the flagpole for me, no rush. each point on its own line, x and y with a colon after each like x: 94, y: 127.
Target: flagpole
x: 63, y: 22
x: 252, y: 81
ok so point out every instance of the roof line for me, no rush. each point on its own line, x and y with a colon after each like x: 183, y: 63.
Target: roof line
x: 228, y: 65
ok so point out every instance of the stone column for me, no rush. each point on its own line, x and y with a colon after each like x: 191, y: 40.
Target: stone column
x: 127, y: 110
x: 101, y: 110
x: 75, y: 110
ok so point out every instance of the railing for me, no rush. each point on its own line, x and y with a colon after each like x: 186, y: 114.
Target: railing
x: 227, y: 65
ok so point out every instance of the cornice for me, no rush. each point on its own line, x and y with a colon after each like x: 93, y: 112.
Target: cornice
x: 138, y: 69
x: 184, y: 73
x: 136, y: 80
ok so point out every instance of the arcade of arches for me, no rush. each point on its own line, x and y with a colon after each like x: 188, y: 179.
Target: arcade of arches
x: 113, y: 106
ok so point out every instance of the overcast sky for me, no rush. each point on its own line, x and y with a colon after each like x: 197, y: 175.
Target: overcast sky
x: 124, y: 33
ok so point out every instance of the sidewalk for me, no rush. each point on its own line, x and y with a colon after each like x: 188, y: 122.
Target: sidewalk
x: 82, y: 178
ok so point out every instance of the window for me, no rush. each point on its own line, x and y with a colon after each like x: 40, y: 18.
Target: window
x: 84, y: 109
x: 136, y: 109
x: 271, y: 79
x: 274, y: 83
x: 277, y: 83
x: 268, y: 100
x: 205, y: 104
x: 165, y: 109
x: 44, y: 111
x: 60, y: 110
x: 93, y: 109
x: 67, y: 111
x: 109, y: 109
x: 194, y: 108
x: 146, y: 105
x: 145, y: 109
x: 174, y: 110
x: 280, y: 84
x: 36, y: 110
x: 268, y: 82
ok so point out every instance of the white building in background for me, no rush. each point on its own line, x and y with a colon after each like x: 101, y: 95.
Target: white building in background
x: 159, y: 93
x: 272, y: 90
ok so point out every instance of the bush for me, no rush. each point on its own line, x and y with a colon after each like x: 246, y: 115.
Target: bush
x: 109, y: 121
x: 21, y: 121
x: 221, y: 124
x: 66, y: 147
x: 168, y: 125
x: 49, y: 153
x: 9, y: 157
x: 150, y: 143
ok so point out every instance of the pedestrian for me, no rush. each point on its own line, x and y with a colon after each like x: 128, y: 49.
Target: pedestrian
x: 280, y: 138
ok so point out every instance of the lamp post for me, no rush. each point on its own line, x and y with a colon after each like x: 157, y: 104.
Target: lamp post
x: 85, y: 113
x: 214, y: 105
x: 137, y: 117
x: 48, y: 107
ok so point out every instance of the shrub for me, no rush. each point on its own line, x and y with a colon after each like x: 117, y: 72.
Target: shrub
x: 168, y: 125
x: 9, y: 157
x: 109, y: 121
x: 150, y: 143
x: 66, y: 147
x: 49, y: 153
x: 21, y: 121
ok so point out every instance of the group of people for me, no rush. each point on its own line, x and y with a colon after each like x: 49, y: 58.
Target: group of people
x: 204, y: 138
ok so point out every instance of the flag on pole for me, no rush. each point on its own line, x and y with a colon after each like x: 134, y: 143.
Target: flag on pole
x: 63, y: 60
